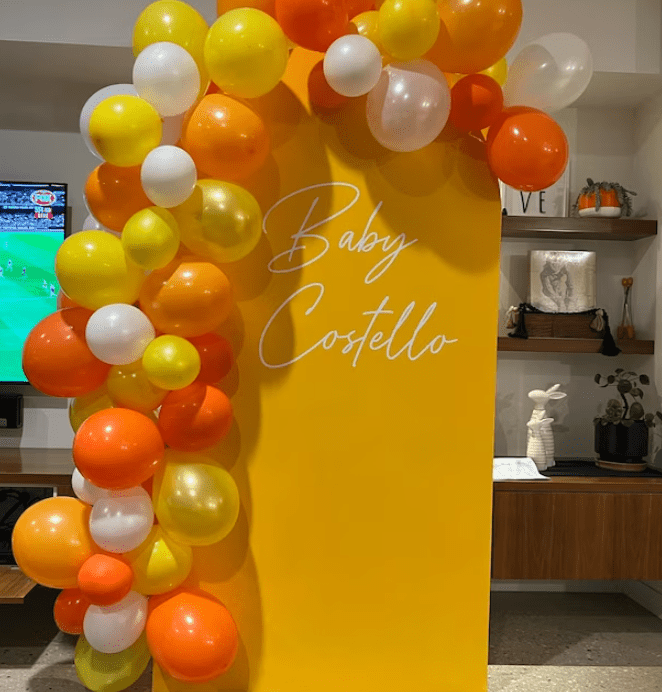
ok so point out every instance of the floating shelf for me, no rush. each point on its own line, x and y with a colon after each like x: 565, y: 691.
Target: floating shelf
x: 571, y: 228
x: 635, y: 346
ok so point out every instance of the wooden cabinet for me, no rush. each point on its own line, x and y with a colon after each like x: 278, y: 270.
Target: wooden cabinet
x: 578, y: 528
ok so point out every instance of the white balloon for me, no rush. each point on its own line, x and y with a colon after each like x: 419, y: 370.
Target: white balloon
x: 91, y: 224
x: 409, y: 107
x: 166, y: 76
x: 549, y: 73
x: 86, y: 491
x: 119, y: 334
x: 111, y: 629
x: 93, y: 102
x: 352, y: 65
x: 172, y: 129
x: 122, y: 521
x: 168, y: 176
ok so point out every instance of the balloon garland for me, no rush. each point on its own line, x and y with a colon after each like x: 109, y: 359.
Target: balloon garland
x: 134, y: 342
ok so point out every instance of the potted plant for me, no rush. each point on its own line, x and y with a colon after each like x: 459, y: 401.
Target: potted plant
x: 603, y: 199
x: 621, y: 434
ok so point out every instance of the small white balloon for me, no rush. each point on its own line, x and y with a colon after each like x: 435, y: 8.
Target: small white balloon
x: 119, y: 334
x: 166, y: 76
x: 168, y: 176
x: 93, y: 102
x: 172, y: 129
x: 86, y: 491
x: 91, y: 224
x: 549, y: 73
x: 111, y: 629
x: 409, y: 107
x: 121, y: 521
x: 352, y: 65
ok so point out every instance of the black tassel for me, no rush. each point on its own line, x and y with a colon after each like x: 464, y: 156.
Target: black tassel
x: 608, y: 347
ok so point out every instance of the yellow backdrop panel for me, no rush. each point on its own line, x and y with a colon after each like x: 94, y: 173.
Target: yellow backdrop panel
x: 363, y: 395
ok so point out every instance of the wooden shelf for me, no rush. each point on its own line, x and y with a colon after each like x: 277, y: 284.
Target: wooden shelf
x: 571, y: 228
x: 14, y: 585
x: 506, y: 343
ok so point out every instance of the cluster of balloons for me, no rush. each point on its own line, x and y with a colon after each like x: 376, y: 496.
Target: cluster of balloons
x: 135, y: 341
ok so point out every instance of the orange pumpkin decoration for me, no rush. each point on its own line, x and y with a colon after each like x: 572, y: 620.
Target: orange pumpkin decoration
x: 609, y: 200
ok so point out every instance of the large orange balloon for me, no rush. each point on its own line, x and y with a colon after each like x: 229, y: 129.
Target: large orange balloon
x: 216, y: 357
x: 195, y: 417
x: 115, y: 194
x: 69, y: 611
x: 224, y: 6
x: 51, y: 541
x: 313, y: 24
x: 355, y: 7
x: 189, y: 297
x: 191, y: 635
x: 56, y: 358
x: 118, y: 448
x: 476, y: 102
x: 225, y: 138
x: 474, y: 34
x: 527, y: 149
x: 105, y: 579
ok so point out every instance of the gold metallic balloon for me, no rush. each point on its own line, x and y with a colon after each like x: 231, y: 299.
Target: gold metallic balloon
x: 110, y: 672
x: 219, y: 221
x: 195, y: 500
x: 82, y: 407
x: 129, y: 387
x: 159, y: 564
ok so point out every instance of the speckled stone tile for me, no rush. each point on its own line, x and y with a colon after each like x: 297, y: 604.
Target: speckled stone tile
x: 574, y: 679
x: 575, y: 629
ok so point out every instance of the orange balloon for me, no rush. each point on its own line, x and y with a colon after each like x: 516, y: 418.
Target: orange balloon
x: 319, y: 91
x: 191, y: 635
x: 476, y: 102
x: 225, y: 138
x: 51, y: 541
x: 527, y: 149
x: 115, y: 194
x: 195, y: 417
x: 312, y: 24
x: 69, y: 611
x: 267, y: 6
x: 117, y: 448
x: 105, y: 579
x: 189, y: 297
x: 216, y: 357
x: 474, y: 34
x: 63, y: 301
x: 56, y: 358
x: 355, y: 7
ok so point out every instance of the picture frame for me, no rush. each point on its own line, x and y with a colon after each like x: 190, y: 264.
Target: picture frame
x: 552, y: 201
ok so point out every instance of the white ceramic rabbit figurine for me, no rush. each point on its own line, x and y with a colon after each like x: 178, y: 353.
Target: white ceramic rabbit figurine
x: 535, y: 448
x: 540, y: 398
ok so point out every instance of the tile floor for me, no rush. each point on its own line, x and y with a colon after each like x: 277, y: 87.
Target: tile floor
x: 538, y: 643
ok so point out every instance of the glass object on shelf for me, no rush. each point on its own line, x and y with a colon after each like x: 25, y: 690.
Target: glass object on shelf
x: 626, y: 328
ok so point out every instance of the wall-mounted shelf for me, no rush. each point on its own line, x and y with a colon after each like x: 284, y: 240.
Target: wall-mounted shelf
x: 628, y: 347
x: 571, y: 228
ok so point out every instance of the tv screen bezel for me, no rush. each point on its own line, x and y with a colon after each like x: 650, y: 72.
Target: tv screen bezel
x: 67, y: 233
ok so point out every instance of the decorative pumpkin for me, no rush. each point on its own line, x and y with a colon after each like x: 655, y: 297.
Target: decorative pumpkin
x: 609, y: 200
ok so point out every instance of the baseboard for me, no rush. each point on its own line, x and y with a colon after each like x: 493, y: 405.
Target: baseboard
x: 558, y: 586
x: 644, y: 595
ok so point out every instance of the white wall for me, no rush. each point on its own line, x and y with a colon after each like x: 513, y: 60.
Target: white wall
x: 48, y: 157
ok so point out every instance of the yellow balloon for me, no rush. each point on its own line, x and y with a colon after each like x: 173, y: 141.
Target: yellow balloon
x: 125, y: 129
x: 195, y: 500
x: 129, y: 387
x: 110, y: 672
x: 367, y: 24
x: 246, y: 52
x: 151, y: 238
x: 171, y: 362
x: 175, y: 22
x: 82, y: 407
x: 220, y: 221
x: 93, y: 270
x: 159, y: 564
x: 408, y: 28
x: 498, y: 71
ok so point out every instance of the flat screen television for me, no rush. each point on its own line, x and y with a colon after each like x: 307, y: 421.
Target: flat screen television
x: 32, y: 228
